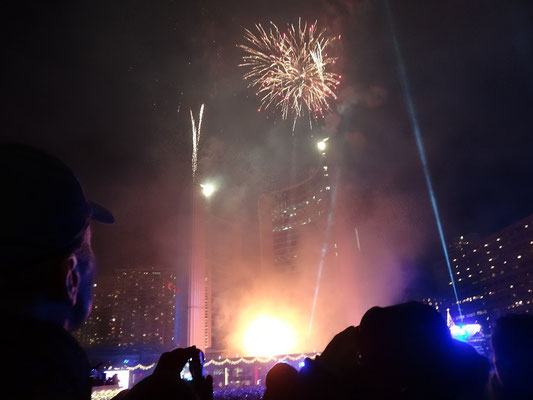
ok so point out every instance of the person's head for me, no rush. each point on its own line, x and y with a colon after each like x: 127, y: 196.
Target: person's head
x: 512, y: 345
x: 46, y: 257
x: 407, y: 348
x: 281, y: 382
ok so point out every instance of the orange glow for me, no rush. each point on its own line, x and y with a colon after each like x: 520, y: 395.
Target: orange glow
x: 268, y: 336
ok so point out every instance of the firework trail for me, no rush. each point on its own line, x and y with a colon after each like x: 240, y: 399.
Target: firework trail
x: 196, y: 130
x: 290, y: 70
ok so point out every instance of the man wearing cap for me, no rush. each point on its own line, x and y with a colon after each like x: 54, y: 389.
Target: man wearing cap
x: 47, y: 268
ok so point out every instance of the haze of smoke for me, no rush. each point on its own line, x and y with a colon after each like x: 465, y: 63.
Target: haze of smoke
x: 374, y: 270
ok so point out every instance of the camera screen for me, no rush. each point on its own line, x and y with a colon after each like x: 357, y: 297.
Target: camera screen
x: 185, y: 373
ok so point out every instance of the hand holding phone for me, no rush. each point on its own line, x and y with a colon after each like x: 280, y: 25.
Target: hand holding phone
x: 172, y: 363
x: 165, y: 382
x: 196, y: 365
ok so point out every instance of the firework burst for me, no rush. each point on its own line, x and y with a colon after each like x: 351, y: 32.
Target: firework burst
x: 291, y: 70
x: 196, y: 130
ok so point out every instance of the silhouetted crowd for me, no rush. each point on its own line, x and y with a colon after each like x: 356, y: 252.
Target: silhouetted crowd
x: 398, y: 352
x: 406, y: 352
x: 243, y: 393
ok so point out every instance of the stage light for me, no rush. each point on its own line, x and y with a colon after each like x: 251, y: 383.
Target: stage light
x: 464, y: 332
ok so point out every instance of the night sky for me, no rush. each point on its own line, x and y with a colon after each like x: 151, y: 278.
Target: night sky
x: 107, y: 86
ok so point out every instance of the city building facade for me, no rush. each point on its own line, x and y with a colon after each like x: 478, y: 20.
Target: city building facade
x: 309, y: 241
x: 135, y: 306
x: 494, y: 275
x: 289, y: 219
x: 216, y: 251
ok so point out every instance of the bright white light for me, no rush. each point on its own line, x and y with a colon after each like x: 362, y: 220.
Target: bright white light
x: 321, y: 145
x: 123, y: 376
x: 208, y: 189
x: 268, y: 336
x: 464, y: 332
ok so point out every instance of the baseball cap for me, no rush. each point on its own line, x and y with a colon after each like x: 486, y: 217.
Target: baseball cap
x: 43, y: 209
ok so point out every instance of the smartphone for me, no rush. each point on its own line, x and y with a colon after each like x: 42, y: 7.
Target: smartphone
x: 194, y: 368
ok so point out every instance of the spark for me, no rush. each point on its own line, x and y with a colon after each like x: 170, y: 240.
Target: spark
x: 291, y: 70
x: 196, y: 130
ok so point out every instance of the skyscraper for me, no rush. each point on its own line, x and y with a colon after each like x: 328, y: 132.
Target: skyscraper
x: 294, y: 220
x: 494, y: 275
x: 198, y: 327
x: 216, y: 248
x: 135, y: 306
x: 307, y: 242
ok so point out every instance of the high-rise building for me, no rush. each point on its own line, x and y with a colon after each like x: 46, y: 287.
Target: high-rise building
x: 216, y: 248
x: 198, y: 327
x: 308, y: 241
x: 223, y: 253
x: 135, y: 306
x: 293, y: 222
x: 494, y: 275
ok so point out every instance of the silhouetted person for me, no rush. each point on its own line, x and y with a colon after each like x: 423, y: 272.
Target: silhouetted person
x: 399, y: 352
x: 407, y: 351
x: 114, y: 380
x: 47, y: 268
x: 512, y: 345
x: 282, y: 383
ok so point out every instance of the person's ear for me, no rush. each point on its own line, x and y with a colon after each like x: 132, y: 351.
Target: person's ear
x: 72, y: 279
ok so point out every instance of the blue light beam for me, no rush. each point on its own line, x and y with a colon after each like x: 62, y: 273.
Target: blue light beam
x: 406, y: 91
